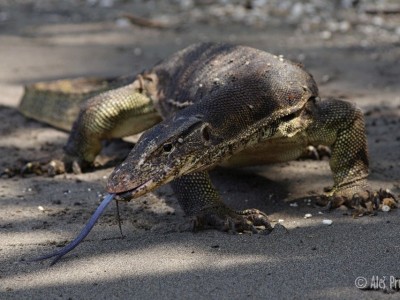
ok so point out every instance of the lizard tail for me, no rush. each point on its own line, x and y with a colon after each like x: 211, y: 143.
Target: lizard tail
x: 58, y: 102
x: 85, y: 231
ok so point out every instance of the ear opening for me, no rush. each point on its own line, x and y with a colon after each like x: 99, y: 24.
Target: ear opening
x: 167, y: 147
x: 205, y: 132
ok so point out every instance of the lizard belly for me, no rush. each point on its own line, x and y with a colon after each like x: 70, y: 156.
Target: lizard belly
x: 270, y: 151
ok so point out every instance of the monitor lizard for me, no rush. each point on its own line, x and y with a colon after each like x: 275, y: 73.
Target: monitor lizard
x: 218, y: 104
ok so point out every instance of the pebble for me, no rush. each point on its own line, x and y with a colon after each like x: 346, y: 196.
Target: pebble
x: 326, y: 35
x: 137, y: 51
x: 327, y: 222
x: 106, y: 3
x: 122, y: 23
x: 307, y: 216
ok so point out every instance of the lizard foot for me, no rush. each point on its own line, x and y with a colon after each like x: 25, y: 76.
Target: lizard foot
x: 227, y: 220
x: 53, y: 167
x: 45, y: 166
x: 366, y: 203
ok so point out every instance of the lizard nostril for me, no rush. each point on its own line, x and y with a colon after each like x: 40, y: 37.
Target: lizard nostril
x: 126, y: 179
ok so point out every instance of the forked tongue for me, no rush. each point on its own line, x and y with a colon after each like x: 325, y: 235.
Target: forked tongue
x: 85, y: 231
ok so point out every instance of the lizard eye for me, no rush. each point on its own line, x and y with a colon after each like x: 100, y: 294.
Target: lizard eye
x: 167, y: 147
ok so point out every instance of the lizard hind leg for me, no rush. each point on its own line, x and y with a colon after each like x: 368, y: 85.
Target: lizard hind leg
x: 340, y: 125
x: 198, y: 198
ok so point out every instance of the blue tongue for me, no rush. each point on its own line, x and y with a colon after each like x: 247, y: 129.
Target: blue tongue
x: 85, y: 231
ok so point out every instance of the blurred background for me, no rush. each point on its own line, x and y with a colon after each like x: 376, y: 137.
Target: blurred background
x: 142, y: 32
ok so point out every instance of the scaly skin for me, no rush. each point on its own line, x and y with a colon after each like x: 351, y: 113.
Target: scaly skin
x: 220, y: 105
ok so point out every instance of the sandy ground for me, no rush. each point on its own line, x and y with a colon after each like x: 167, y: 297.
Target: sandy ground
x: 156, y: 259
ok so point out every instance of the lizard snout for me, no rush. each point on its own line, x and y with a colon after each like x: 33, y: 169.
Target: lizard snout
x: 124, y: 178
x: 130, y: 181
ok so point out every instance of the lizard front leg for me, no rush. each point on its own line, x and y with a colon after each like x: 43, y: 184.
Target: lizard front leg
x: 340, y: 125
x: 197, y: 197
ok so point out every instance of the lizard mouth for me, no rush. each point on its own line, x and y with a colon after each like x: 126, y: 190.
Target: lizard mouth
x: 136, y: 191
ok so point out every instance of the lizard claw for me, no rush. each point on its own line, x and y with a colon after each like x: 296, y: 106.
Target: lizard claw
x: 366, y: 203
x: 76, y: 164
x: 256, y: 217
x: 316, y: 153
x: 227, y: 220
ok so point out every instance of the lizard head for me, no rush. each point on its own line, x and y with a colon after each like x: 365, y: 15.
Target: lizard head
x: 174, y: 147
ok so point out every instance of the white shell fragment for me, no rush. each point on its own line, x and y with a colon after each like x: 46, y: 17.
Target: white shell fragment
x: 327, y: 222
x: 307, y: 216
x: 41, y: 208
x: 385, y: 208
